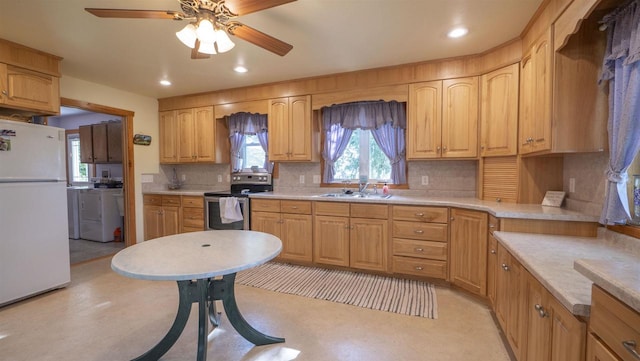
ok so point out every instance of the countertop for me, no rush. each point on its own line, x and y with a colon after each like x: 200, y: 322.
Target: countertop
x: 610, y: 262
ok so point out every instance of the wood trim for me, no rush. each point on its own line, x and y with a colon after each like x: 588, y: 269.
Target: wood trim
x: 127, y: 161
x: 399, y: 93
x: 629, y: 230
x: 257, y: 106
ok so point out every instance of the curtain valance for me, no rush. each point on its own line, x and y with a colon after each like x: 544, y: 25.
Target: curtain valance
x: 365, y: 115
x: 247, y: 123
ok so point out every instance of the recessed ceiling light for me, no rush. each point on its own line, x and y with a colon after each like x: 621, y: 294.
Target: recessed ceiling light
x: 240, y: 69
x: 458, y: 32
x: 165, y: 82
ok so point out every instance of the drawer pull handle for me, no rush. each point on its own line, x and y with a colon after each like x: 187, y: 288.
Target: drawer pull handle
x: 419, y: 231
x: 419, y: 214
x: 418, y: 249
x: 492, y: 226
x: 631, y: 347
x: 419, y: 268
x: 541, y: 312
x: 294, y: 207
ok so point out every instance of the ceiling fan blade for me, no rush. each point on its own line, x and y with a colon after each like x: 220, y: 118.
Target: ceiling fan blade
x: 243, y: 7
x: 195, y: 54
x: 136, y: 14
x: 259, y: 38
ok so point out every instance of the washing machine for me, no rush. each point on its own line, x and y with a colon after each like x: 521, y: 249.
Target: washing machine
x: 99, y: 216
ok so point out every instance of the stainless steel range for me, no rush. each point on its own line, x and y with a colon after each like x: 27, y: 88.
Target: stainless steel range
x: 242, y: 184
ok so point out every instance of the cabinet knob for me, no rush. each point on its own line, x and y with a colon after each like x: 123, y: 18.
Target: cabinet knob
x: 438, y: 149
x: 452, y: 219
x: 541, y: 312
x: 419, y: 268
x: 4, y: 92
x: 505, y: 267
x: 493, y: 251
x: 491, y: 226
x: 482, y: 147
x: 444, y: 149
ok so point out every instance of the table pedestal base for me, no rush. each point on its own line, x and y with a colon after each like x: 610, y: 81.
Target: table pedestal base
x: 205, y: 292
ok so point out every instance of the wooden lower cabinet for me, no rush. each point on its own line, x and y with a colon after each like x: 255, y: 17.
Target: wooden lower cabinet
x: 368, y: 244
x: 192, y: 214
x: 291, y: 221
x: 161, y: 215
x: 331, y: 240
x: 597, y: 351
x: 468, y: 242
x: 492, y: 268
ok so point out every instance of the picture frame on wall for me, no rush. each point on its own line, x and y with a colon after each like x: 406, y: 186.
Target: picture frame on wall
x: 141, y: 139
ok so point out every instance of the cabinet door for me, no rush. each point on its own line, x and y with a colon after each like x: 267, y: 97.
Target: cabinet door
x: 152, y: 222
x: 278, y: 129
x: 542, y: 55
x: 331, y: 240
x: 299, y: 128
x: 568, y: 334
x: 100, y: 152
x: 538, y: 321
x: 424, y: 120
x: 368, y: 243
x: 204, y: 134
x: 492, y: 270
x: 114, y: 142
x: 170, y: 220
x: 499, y: 112
x: 527, y: 89
x: 86, y: 143
x: 29, y: 90
x: 267, y: 222
x: 297, y: 235
x: 596, y: 351
x: 517, y: 301
x: 468, y: 263
x: 186, y: 136
x: 460, y: 117
x: 168, y: 141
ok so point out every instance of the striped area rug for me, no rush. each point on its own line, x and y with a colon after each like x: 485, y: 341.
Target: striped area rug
x: 409, y: 297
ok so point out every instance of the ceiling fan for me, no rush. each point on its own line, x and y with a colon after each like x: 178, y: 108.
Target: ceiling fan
x: 209, y: 23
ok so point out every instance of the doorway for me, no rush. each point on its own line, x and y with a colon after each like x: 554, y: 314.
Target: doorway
x: 128, y: 180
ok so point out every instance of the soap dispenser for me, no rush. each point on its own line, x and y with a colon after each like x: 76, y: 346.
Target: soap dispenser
x: 385, y: 189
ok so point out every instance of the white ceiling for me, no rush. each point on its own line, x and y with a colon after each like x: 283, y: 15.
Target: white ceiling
x: 328, y: 36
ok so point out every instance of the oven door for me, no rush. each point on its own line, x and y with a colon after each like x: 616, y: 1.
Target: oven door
x: 213, y: 221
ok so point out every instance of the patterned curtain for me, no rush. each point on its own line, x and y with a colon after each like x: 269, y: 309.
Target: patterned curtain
x: 622, y: 69
x: 386, y: 120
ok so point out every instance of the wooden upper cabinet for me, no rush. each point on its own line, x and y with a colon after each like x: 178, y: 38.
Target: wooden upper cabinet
x: 101, y: 143
x: 535, y: 96
x: 499, y: 112
x: 460, y: 118
x: 99, y: 139
x: 424, y: 120
x: 168, y: 124
x: 192, y: 135
x: 114, y: 142
x: 29, y: 90
x: 443, y: 119
x: 290, y: 129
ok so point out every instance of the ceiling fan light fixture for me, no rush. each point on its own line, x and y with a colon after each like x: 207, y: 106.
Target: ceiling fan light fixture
x: 205, y: 31
x: 223, y: 43
x: 188, y: 35
x: 207, y: 48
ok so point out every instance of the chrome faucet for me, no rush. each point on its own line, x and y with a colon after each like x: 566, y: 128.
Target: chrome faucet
x: 362, y: 187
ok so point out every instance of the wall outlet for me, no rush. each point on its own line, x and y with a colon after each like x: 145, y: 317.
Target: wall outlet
x: 219, y: 178
x: 425, y: 180
x: 301, y: 178
x: 184, y: 177
x: 572, y: 185
x: 316, y: 179
x: 147, y: 178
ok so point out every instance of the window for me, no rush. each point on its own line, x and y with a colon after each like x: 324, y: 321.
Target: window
x: 362, y: 156
x: 251, y: 152
x: 78, y: 172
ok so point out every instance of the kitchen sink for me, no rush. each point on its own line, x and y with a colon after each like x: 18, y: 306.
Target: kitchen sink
x: 356, y: 195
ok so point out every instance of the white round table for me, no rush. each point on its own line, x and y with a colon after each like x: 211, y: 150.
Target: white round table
x: 194, y: 260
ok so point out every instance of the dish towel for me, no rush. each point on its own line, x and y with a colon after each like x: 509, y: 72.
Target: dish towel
x: 230, y: 210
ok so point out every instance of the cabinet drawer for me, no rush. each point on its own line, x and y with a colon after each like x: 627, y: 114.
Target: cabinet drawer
x: 421, y: 214
x: 615, y: 323
x: 422, y: 231
x: 192, y: 217
x: 193, y: 201
x: 421, y: 249
x: 377, y: 211
x: 332, y: 209
x: 265, y: 205
x: 171, y: 201
x: 186, y: 229
x: 420, y: 267
x: 297, y: 207
x: 152, y: 199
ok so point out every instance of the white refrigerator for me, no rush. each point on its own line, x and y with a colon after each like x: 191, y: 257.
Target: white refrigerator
x: 34, y: 235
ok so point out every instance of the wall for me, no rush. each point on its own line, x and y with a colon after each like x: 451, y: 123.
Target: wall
x: 145, y: 122
x: 588, y: 171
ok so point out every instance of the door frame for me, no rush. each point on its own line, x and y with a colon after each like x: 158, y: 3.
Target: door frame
x: 127, y: 161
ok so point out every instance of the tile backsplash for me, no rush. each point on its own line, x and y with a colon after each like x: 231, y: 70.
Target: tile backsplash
x: 587, y: 170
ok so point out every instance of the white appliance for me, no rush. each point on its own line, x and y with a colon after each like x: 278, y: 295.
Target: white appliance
x: 34, y: 239
x: 99, y: 216
x: 73, y: 212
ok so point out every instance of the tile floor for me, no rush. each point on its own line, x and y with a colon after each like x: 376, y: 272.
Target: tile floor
x: 103, y: 316
x: 81, y: 250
